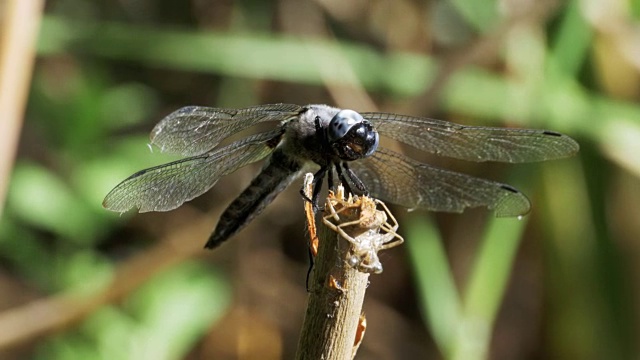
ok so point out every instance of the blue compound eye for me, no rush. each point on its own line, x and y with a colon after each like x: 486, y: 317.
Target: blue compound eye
x: 341, y: 123
x: 351, y: 136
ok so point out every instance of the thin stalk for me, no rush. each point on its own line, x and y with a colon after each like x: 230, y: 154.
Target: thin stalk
x: 350, y: 236
x: 18, y: 32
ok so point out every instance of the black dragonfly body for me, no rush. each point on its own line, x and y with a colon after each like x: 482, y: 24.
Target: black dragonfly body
x: 325, y: 139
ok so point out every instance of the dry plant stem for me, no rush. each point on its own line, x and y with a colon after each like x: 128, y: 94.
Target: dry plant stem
x: 19, y: 24
x: 336, y: 295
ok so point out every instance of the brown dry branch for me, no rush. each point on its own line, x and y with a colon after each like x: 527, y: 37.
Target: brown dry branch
x: 19, y: 24
x: 352, y: 233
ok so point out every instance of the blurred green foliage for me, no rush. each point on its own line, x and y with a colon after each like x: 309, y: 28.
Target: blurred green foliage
x: 106, y: 73
x: 161, y: 320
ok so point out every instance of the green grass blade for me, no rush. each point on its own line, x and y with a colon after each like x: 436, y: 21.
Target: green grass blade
x: 435, y: 282
x: 486, y: 287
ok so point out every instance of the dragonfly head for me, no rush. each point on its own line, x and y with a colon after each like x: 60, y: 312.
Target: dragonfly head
x: 351, y: 136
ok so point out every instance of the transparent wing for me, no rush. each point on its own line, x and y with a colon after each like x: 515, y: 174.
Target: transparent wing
x: 474, y: 143
x: 165, y: 187
x: 194, y: 130
x: 395, y: 178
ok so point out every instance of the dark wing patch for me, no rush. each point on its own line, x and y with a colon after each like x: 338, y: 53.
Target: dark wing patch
x: 474, y: 143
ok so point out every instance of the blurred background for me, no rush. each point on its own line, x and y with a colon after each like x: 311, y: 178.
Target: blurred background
x: 79, y: 282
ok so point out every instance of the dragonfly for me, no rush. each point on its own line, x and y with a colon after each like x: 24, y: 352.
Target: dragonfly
x: 331, y: 142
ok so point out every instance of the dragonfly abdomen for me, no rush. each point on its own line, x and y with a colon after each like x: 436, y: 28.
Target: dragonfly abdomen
x: 279, y: 172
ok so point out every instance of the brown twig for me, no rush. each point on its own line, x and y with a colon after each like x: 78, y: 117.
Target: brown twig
x: 352, y: 233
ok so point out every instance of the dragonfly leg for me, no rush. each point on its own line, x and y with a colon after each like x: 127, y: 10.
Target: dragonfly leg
x: 318, y: 178
x: 343, y: 180
x: 330, y: 182
x: 355, y: 179
x: 311, y: 263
